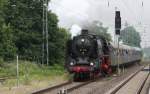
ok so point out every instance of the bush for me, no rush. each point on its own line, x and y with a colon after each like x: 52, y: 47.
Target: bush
x: 1, y: 61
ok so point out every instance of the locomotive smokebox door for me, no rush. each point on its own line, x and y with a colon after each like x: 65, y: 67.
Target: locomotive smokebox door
x: 117, y: 23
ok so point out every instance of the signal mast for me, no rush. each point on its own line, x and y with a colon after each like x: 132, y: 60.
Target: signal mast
x: 117, y: 33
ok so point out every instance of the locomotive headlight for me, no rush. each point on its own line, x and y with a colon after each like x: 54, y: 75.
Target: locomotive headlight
x: 71, y: 63
x: 82, y: 40
x: 91, y: 63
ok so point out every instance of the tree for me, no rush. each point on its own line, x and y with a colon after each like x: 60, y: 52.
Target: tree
x: 130, y: 36
x: 25, y: 18
x: 7, y: 46
x: 97, y: 28
x: 58, y: 46
x: 2, y: 2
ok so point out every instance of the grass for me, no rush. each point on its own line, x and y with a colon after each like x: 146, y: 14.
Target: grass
x: 30, y: 71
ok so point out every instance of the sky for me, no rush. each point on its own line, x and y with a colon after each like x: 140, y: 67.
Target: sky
x: 73, y: 13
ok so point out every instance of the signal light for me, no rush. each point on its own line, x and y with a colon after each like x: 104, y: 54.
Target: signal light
x: 117, y: 23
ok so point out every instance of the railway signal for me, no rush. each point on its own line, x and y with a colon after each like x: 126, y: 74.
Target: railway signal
x: 117, y: 23
x: 117, y: 32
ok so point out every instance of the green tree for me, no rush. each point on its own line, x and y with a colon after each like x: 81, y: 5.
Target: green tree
x: 130, y: 36
x: 58, y: 46
x: 7, y: 46
x: 2, y: 2
x: 25, y: 18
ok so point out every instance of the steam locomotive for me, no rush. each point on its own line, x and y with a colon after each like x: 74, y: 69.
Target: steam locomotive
x: 88, y: 55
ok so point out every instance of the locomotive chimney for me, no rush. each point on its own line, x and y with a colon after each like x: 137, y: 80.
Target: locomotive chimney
x: 84, y: 31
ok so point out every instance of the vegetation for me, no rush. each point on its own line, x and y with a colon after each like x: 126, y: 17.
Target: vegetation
x: 130, y: 36
x: 31, y: 71
x: 7, y: 47
x: 21, y: 32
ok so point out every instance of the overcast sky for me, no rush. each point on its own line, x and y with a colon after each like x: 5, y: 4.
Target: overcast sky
x: 71, y: 13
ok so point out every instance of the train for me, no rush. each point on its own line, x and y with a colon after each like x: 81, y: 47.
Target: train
x: 89, y: 55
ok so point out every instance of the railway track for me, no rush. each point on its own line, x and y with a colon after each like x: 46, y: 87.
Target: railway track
x: 71, y: 87
x: 67, y: 87
x: 134, y: 84
x: 69, y: 90
x: 49, y: 89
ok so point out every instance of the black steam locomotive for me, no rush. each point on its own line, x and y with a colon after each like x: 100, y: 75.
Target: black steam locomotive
x: 91, y: 55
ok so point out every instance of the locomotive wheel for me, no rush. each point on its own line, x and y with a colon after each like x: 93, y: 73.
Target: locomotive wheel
x: 106, y: 72
x: 76, y: 77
